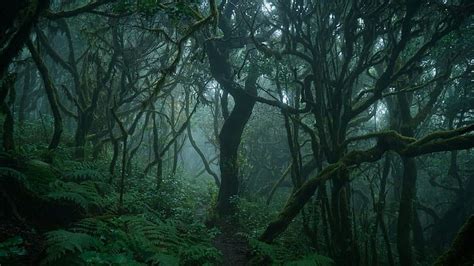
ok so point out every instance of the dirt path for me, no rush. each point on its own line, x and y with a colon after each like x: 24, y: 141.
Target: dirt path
x: 234, y: 247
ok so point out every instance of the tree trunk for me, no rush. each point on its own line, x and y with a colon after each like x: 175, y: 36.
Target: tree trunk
x: 233, y: 127
x: 405, y: 211
x: 229, y: 141
x: 445, y: 229
x: 27, y: 85
x: 461, y: 251
x: 84, y: 122
x: 51, y: 94
x: 15, y: 26
x: 344, y: 243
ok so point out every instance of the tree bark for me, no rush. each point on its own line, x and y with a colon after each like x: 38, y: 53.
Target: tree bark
x: 405, y: 215
x: 461, y: 251
x: 51, y: 94
x: 15, y: 27
x: 387, y: 141
x: 6, y: 88
x: 27, y: 88
x: 229, y: 141
x: 231, y: 132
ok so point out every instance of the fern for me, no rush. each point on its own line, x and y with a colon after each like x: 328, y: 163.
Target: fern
x: 91, y: 226
x: 198, y: 254
x: 40, y: 175
x: 84, y: 174
x: 71, y: 197
x: 160, y: 234
x: 134, y: 240
x: 82, y: 171
x: 64, y: 245
x: 312, y: 260
x: 162, y: 259
x: 84, y: 194
x: 8, y: 175
x: 263, y: 252
x: 101, y: 258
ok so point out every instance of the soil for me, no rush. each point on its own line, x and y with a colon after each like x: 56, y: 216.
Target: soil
x: 33, y: 242
x: 233, y: 246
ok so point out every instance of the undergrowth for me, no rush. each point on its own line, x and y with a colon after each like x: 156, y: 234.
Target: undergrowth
x: 153, y: 227
x: 162, y: 226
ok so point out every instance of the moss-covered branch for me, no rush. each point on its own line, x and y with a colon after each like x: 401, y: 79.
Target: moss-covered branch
x: 461, y: 251
x: 386, y: 141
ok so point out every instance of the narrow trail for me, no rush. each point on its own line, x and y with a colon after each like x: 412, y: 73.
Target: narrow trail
x: 234, y: 247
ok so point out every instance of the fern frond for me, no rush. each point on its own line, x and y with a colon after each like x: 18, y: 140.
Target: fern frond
x: 102, y: 258
x: 163, y: 259
x: 312, y: 260
x: 264, y: 251
x: 91, y: 226
x: 62, y: 244
x: 71, y: 197
x: 84, y: 174
x: 84, y: 194
x: 40, y: 175
x: 8, y: 174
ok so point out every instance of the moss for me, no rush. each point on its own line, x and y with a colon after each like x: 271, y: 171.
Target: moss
x: 461, y: 251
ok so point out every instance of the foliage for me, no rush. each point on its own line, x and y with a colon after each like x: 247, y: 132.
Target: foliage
x: 287, y: 91
x: 312, y: 260
x: 61, y: 243
x: 264, y: 253
x: 171, y: 234
x: 134, y: 240
x: 12, y: 247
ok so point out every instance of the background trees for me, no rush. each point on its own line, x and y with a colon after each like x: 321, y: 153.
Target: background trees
x: 349, y: 121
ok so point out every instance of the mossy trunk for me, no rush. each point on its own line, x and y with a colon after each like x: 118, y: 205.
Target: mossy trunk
x: 346, y: 251
x: 84, y: 123
x: 405, y: 215
x: 8, y: 124
x: 445, y: 228
x: 51, y: 94
x: 6, y: 89
x: 229, y: 141
x: 461, y: 251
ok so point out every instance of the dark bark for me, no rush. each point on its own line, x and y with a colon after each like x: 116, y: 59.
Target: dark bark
x: 51, y: 94
x: 16, y: 20
x: 196, y: 147
x: 445, y: 228
x: 6, y: 88
x: 408, y: 194
x: 405, y: 215
x: 461, y: 251
x: 229, y: 141
x: 233, y: 127
x: 82, y: 128
x: 379, y: 207
x: 27, y: 88
x: 418, y: 236
x: 124, y: 159
x: 387, y: 141
x: 342, y: 231
x: 157, y: 153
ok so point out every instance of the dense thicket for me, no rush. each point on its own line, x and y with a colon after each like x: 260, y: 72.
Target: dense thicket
x: 236, y: 132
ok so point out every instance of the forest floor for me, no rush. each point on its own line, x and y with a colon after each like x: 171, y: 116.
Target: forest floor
x: 233, y: 246
x: 30, y: 242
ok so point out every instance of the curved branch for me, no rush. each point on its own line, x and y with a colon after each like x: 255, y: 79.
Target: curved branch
x: 51, y: 94
x: 74, y: 12
x: 386, y: 141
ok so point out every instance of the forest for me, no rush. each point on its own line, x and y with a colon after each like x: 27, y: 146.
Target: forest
x: 237, y: 132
